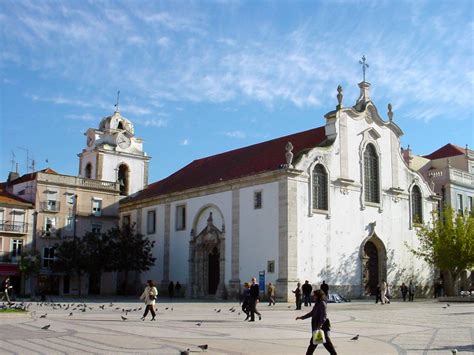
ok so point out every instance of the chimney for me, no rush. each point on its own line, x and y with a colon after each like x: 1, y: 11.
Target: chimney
x: 12, y: 175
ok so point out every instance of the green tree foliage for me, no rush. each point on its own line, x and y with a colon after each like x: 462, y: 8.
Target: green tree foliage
x: 30, y: 263
x: 131, y: 251
x: 70, y: 258
x: 447, y: 243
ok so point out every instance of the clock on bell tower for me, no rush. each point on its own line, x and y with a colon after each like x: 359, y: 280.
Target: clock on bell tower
x: 114, y: 153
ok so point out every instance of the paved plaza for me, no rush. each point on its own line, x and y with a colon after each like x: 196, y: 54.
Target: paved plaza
x: 421, y: 327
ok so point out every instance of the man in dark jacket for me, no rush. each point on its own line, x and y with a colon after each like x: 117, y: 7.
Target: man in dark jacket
x: 325, y: 288
x: 307, y: 288
x: 254, y: 297
x: 319, y: 321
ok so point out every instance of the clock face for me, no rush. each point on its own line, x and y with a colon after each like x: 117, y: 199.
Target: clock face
x: 123, y: 141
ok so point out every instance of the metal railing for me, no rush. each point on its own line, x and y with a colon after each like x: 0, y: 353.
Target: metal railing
x: 13, y: 227
x: 50, y: 206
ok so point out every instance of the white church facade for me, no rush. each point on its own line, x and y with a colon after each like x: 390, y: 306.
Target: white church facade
x: 335, y: 203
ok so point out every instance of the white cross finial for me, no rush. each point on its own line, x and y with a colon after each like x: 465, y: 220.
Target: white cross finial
x: 117, y: 104
x: 364, y: 65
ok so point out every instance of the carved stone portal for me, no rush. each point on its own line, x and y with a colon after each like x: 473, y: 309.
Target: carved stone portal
x: 207, y: 262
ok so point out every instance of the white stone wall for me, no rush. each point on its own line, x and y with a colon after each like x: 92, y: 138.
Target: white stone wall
x: 135, y: 164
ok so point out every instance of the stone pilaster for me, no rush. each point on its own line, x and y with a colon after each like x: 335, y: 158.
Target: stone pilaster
x: 221, y: 292
x: 395, y: 149
x: 343, y: 146
x: 287, y: 238
x: 145, y: 174
x: 166, y: 247
x: 234, y: 283
x: 99, y: 166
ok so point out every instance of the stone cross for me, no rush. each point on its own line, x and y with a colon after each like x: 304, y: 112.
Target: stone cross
x: 364, y: 65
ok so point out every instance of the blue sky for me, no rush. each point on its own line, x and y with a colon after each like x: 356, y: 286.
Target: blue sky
x: 202, y: 77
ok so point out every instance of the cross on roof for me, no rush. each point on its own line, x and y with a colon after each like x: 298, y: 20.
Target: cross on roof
x: 364, y: 65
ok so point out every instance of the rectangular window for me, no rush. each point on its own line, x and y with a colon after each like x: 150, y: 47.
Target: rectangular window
x: 48, y: 257
x: 271, y: 266
x: 96, y: 228
x: 257, y: 200
x: 69, y: 223
x: 180, y: 217
x: 50, y: 225
x: 151, y: 222
x: 96, y: 207
x: 469, y: 203
x: 17, y: 246
x: 126, y: 221
x: 460, y: 204
x: 70, y: 198
x: 52, y: 203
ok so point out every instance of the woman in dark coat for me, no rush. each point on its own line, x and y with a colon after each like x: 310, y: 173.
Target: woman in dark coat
x: 319, y: 321
x: 297, y: 293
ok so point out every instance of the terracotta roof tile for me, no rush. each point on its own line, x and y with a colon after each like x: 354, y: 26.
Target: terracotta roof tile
x: 32, y: 176
x: 251, y: 160
x: 449, y: 150
x: 7, y: 198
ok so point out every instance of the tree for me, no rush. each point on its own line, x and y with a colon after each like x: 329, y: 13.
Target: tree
x: 131, y: 251
x: 447, y: 243
x: 97, y: 254
x: 70, y: 258
x: 30, y: 264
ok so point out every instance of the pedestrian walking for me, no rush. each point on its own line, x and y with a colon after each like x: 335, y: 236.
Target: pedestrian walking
x: 246, y: 300
x: 177, y: 289
x: 325, y: 288
x: 271, y: 294
x: 171, y: 289
x: 319, y: 320
x: 254, y: 299
x: 378, y: 294
x: 6, y: 287
x: 404, y: 291
x: 297, y: 293
x: 383, y: 292
x: 307, y: 290
x: 149, y: 295
x: 411, y: 291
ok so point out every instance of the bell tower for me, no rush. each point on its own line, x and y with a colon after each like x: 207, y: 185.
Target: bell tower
x: 114, y: 153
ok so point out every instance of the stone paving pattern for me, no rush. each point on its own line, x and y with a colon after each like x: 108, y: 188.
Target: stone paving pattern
x: 422, y: 327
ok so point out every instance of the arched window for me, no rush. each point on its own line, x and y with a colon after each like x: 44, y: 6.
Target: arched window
x: 88, y: 171
x: 122, y: 179
x: 120, y: 125
x: 320, y: 188
x: 416, y: 205
x: 371, y: 175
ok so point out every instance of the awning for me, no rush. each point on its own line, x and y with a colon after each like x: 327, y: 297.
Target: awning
x: 9, y: 269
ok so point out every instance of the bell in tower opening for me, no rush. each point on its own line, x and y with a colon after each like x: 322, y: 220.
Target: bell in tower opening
x: 123, y: 178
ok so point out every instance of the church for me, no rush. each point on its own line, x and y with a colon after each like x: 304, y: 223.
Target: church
x: 336, y: 203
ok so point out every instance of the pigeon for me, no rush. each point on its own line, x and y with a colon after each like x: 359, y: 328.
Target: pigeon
x: 184, y: 352
x: 166, y: 308
x: 218, y: 311
x: 448, y: 305
x: 124, y: 318
x: 83, y: 310
x: 117, y: 308
x: 70, y: 314
x: 44, y: 315
x: 199, y: 324
x: 102, y: 307
x: 445, y: 307
x: 203, y: 347
x: 356, y: 337
x: 46, y: 327
x: 111, y: 304
x: 289, y: 306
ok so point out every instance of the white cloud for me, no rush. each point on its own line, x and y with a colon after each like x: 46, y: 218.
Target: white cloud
x: 84, y: 117
x: 152, y: 122
x: 236, y: 134
x: 184, y: 142
x: 163, y: 41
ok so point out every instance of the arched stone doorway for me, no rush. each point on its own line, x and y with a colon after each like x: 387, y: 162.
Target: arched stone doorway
x: 374, y: 264
x: 207, y: 261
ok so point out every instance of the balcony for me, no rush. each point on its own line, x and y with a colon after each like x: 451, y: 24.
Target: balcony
x: 452, y: 175
x: 13, y: 227
x: 51, y: 233
x: 50, y: 206
x: 79, y: 182
x: 9, y: 258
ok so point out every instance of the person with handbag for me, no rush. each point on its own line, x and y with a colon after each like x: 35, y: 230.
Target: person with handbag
x: 149, y: 295
x: 319, y: 322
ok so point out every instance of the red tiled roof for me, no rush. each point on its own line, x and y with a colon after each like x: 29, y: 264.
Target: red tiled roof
x: 10, y: 199
x: 251, y: 160
x: 449, y: 150
x: 31, y: 176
